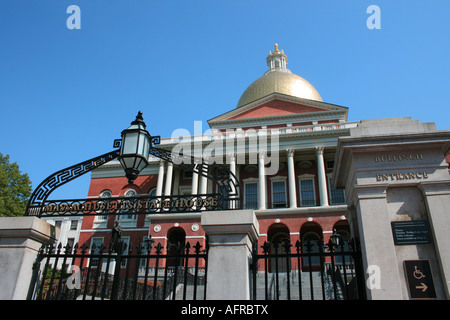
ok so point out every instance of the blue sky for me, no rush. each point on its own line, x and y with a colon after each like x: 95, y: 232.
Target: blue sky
x: 65, y: 95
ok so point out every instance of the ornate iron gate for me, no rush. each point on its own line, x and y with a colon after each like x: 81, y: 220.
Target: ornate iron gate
x: 119, y: 272
x: 314, y: 271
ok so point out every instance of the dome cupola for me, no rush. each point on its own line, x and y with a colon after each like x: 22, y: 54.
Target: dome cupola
x: 278, y: 79
x: 277, y: 61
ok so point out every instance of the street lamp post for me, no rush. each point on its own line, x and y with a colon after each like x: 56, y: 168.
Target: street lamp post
x: 134, y: 152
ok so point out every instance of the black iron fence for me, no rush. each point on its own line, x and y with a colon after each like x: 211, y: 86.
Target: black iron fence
x: 120, y: 272
x: 309, y: 270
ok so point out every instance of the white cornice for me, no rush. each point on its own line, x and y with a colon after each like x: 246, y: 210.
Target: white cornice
x: 279, y: 119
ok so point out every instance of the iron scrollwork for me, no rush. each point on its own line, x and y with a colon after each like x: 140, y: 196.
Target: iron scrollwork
x: 57, y: 179
x: 227, y: 197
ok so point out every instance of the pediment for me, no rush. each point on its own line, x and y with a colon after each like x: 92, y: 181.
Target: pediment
x: 279, y: 106
x: 276, y: 108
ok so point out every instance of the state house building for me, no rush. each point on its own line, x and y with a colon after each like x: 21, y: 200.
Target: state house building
x: 280, y: 141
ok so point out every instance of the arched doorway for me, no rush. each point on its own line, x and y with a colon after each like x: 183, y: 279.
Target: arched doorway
x: 311, y: 237
x: 176, y: 238
x: 278, y: 235
x: 342, y: 228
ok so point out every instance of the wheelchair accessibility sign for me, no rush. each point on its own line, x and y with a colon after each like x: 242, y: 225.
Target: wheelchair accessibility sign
x: 420, y: 279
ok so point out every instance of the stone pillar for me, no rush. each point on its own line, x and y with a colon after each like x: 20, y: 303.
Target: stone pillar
x: 322, y: 177
x: 383, y: 165
x: 291, y: 179
x: 159, y: 183
x: 437, y: 198
x: 168, y: 187
x: 378, y: 252
x: 262, y: 181
x: 20, y: 240
x: 231, y: 234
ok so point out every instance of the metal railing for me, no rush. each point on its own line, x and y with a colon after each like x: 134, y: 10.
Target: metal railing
x: 139, y: 273
x: 314, y: 271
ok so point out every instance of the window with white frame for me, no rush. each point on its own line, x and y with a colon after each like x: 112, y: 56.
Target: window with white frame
x: 307, y: 191
x: 146, y: 248
x: 126, y: 241
x: 337, y: 196
x: 279, y: 193
x: 73, y: 224
x: 104, y: 195
x: 129, y: 193
x: 251, y: 195
x: 96, y: 244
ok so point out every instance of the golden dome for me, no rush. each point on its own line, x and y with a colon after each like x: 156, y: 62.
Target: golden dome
x: 278, y: 79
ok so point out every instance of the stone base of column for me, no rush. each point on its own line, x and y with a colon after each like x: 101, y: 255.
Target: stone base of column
x: 231, y: 234
x: 20, y: 241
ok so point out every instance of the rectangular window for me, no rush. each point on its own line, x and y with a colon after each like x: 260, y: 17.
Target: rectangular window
x: 251, y: 196
x: 307, y: 193
x: 125, y: 240
x: 279, y: 194
x: 337, y: 196
x: 73, y: 225
x: 70, y: 242
x: 143, y: 262
x: 95, y: 249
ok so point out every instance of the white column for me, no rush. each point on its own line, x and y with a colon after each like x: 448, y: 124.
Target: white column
x: 204, y: 181
x: 194, y: 189
x: 159, y: 183
x: 262, y: 181
x: 322, y: 177
x: 168, y: 187
x: 232, y: 162
x: 291, y: 179
x: 203, y: 187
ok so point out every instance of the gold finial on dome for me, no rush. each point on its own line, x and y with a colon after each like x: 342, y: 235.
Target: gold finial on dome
x: 276, y: 49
